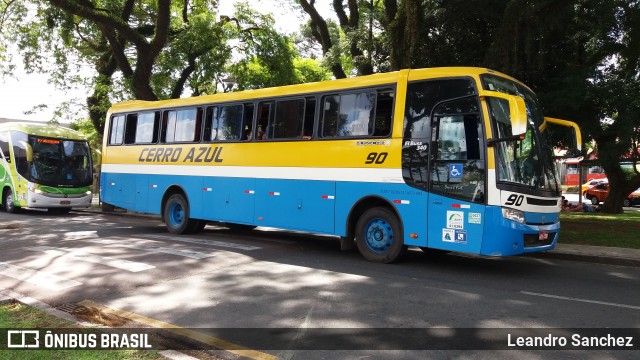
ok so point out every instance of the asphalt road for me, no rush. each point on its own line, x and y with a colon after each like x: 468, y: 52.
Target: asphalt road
x: 264, y: 278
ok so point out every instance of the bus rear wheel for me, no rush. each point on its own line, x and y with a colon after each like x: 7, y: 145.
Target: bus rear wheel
x: 379, y: 236
x: 176, y: 216
x: 9, y: 206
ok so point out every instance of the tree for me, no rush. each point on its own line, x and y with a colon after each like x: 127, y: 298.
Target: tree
x: 143, y: 49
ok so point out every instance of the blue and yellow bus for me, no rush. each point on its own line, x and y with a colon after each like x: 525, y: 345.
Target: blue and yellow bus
x: 44, y: 167
x: 454, y: 159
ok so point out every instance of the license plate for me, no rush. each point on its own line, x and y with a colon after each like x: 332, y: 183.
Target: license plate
x: 543, y: 235
x: 65, y: 202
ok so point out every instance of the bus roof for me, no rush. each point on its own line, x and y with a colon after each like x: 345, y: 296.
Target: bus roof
x: 42, y: 129
x: 307, y: 88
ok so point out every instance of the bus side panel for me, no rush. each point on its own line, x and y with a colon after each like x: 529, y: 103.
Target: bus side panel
x: 411, y: 205
x: 455, y: 224
x: 296, y: 204
x: 228, y: 199
x: 118, y: 189
x: 142, y: 193
x: 157, y: 185
x: 192, y: 186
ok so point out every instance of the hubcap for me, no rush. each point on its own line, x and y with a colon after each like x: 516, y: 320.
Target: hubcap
x: 176, y: 214
x: 379, y: 235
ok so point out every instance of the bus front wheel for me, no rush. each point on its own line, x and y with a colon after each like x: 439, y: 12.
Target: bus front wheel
x: 379, y: 236
x: 176, y: 216
x: 9, y: 206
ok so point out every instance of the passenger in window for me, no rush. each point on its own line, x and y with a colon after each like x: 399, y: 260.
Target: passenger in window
x: 261, y: 134
x: 249, y: 135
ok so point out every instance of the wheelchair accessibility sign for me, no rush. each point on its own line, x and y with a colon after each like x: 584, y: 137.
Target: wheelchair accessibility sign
x: 455, y: 171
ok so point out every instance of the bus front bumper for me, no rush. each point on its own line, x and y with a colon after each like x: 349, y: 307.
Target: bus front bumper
x: 514, y: 238
x: 47, y: 200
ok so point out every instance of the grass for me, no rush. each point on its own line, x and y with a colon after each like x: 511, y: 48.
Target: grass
x: 620, y: 230
x: 20, y: 316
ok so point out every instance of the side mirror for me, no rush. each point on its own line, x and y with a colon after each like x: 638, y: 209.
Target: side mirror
x: 576, y: 147
x: 29, y: 150
x: 517, y: 111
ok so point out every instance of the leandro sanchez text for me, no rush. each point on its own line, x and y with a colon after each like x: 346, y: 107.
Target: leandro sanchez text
x: 575, y: 340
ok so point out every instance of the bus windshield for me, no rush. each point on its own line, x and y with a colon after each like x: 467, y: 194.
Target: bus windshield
x: 528, y: 162
x: 60, y: 162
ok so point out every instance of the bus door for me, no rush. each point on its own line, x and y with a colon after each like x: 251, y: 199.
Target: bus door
x: 457, y: 177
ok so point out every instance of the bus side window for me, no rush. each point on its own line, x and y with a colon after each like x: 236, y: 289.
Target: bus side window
x: 130, y: 127
x: 210, y: 124
x: 182, y: 125
x: 247, y: 120
x: 265, y: 116
x: 309, y: 118
x: 384, y: 114
x: 288, y: 121
x: 146, y: 127
x: 224, y: 123
x: 4, y: 146
x: 117, y: 130
x: 349, y: 115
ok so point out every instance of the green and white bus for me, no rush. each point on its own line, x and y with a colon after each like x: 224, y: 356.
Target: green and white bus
x: 44, y: 166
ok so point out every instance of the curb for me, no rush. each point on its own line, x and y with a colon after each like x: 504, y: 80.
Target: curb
x: 598, y: 259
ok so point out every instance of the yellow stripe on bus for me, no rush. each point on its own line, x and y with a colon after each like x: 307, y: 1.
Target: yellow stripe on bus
x: 373, y: 153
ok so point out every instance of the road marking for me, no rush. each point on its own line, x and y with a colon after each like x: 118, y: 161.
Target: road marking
x: 127, y: 265
x: 581, y: 300
x: 151, y: 248
x: 204, y: 242
x: 38, y: 278
x: 198, y: 336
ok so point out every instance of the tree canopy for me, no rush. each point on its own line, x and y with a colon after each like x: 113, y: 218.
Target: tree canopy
x: 150, y: 50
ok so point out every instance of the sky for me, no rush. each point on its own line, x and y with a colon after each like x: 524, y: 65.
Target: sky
x: 23, y: 92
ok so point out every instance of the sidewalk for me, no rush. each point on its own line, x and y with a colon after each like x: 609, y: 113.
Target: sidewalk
x: 585, y: 253
x: 595, y: 254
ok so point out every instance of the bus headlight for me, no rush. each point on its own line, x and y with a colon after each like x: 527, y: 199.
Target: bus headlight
x: 513, y: 215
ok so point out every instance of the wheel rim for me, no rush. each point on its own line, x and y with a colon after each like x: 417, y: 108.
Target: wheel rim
x: 378, y: 235
x: 176, y: 214
x: 8, y: 201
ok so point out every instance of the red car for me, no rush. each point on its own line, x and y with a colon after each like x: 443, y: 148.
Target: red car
x: 599, y: 193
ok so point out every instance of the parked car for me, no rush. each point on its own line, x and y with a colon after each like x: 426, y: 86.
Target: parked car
x: 591, y: 183
x: 633, y: 198
x: 599, y: 193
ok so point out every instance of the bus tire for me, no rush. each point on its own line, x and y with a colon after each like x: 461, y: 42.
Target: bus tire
x: 379, y: 236
x: 176, y: 215
x: 9, y: 206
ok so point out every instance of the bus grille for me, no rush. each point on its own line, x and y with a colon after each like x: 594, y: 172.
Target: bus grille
x: 533, y: 240
x: 541, y: 202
